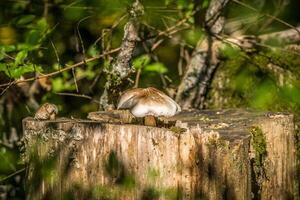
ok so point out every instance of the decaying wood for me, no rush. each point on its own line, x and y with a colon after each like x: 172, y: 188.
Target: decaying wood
x: 225, y: 154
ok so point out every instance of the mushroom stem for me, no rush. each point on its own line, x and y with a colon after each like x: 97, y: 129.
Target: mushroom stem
x: 150, y: 120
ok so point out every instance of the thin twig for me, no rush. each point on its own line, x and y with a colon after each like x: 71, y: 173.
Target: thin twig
x: 46, y: 9
x: 111, y: 29
x: 7, y: 87
x: 180, y: 62
x: 95, y: 81
x: 137, y: 78
x: 71, y: 4
x: 78, y: 95
x: 13, y: 174
x: 74, y: 78
x: 79, y: 36
x: 8, y: 56
x: 56, y: 54
x: 61, y: 70
x: 268, y: 15
x: 225, y: 39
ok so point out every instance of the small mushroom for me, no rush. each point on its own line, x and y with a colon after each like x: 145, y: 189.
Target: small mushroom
x: 46, y: 111
x: 148, y: 103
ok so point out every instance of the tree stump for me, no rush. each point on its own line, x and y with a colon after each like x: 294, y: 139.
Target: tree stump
x: 225, y: 154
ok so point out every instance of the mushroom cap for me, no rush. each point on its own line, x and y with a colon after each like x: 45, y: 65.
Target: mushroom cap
x: 148, y: 101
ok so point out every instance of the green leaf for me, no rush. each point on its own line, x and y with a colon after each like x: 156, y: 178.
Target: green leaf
x: 141, y: 61
x: 229, y: 51
x: 93, y: 51
x: 38, y: 33
x: 3, y: 67
x: 20, y: 70
x: 25, y: 46
x: 25, y: 19
x: 9, y: 48
x: 193, y: 36
x: 13, y: 71
x: 20, y: 57
x: 42, y: 24
x: 6, y: 49
x: 156, y: 67
x: 58, y: 85
x: 205, y: 4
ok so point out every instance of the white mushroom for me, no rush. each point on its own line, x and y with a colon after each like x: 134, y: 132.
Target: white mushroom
x: 148, y: 103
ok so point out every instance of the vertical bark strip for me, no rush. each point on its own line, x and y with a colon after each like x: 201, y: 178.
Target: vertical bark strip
x: 121, y: 68
x: 194, y: 85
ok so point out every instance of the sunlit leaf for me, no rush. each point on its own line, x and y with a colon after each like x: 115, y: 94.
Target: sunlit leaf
x: 193, y: 36
x: 37, y: 34
x: 156, y: 67
x: 141, y: 61
x: 20, y: 57
x: 93, y: 51
x: 59, y: 84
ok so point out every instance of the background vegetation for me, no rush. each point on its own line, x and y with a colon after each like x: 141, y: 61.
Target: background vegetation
x: 50, y: 36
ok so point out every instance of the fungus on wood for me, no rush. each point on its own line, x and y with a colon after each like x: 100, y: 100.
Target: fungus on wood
x: 207, y: 154
x: 148, y: 103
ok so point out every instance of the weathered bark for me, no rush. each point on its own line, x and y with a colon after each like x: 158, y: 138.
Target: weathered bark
x: 286, y: 36
x: 203, y: 63
x: 230, y: 154
x: 121, y: 67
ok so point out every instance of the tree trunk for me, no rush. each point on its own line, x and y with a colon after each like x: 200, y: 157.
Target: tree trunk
x: 226, y: 154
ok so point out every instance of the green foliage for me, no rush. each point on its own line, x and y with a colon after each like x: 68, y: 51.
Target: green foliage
x: 193, y: 36
x: 9, y: 161
x: 141, y: 61
x: 15, y: 71
x: 156, y: 67
x: 20, y: 64
x: 25, y: 19
x: 253, y: 82
x: 59, y: 85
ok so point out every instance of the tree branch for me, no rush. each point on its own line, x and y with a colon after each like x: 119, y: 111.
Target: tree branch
x: 121, y: 67
x: 287, y: 36
x: 203, y: 62
x: 59, y: 71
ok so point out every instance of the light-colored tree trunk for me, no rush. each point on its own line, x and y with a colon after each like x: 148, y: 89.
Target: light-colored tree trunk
x: 225, y: 154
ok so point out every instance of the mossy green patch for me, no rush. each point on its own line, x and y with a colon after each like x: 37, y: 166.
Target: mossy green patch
x: 177, y: 130
x: 258, y: 162
x: 259, y: 144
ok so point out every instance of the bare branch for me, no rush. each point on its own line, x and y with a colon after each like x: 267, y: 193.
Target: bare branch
x: 121, y: 67
x: 78, y: 95
x: 286, y: 36
x: 66, y: 68
x: 268, y: 15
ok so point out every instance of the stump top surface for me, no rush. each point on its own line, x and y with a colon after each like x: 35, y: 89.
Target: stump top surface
x: 231, y: 125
